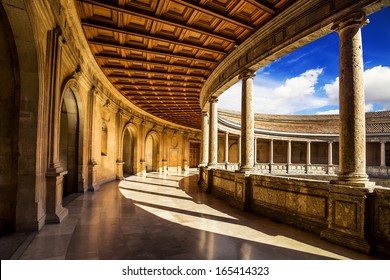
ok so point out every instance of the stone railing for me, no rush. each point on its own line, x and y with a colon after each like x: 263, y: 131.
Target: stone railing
x: 296, y: 169
x: 355, y: 217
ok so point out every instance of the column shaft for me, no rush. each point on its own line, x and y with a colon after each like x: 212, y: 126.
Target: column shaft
x: 288, y: 152
x: 383, y: 153
x: 213, y: 132
x: 226, y: 147
x: 330, y: 153
x: 247, y: 121
x: 352, y: 110
x: 239, y: 150
x: 255, y: 150
x: 308, y: 153
x: 205, y: 138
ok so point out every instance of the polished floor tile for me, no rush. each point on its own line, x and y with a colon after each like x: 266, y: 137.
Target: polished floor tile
x: 168, y: 217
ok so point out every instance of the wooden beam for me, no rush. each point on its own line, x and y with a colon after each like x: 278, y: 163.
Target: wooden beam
x: 153, y: 80
x: 149, y: 72
x: 155, y: 37
x: 139, y: 13
x: 266, y: 7
x: 214, y: 14
x: 159, y: 87
x: 151, y: 62
x: 151, y: 52
x: 160, y: 93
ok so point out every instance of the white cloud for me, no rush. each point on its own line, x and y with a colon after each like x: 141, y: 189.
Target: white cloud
x: 295, y: 94
x: 329, y: 112
x: 299, y: 93
x: 376, y: 86
x: 368, y: 107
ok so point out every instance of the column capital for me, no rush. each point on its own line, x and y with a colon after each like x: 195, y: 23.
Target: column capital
x: 358, y: 18
x: 247, y: 74
x: 213, y: 99
x: 94, y: 90
x: 205, y: 113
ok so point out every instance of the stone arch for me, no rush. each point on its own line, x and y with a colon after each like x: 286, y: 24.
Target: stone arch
x: 152, y: 151
x: 128, y: 149
x: 71, y: 137
x: 9, y: 122
x: 27, y: 202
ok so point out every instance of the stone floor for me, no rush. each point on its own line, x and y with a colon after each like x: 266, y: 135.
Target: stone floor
x: 167, y: 217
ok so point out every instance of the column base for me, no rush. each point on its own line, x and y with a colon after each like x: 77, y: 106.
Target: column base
x: 56, y: 218
x: 348, y: 219
x: 212, y: 165
x: 119, y: 170
x: 354, y: 179
x: 55, y: 212
x: 246, y: 169
x: 354, y: 183
x: 92, y: 185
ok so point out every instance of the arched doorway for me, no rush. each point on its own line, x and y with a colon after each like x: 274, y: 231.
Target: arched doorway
x: 151, y: 152
x: 128, y: 152
x: 69, y: 142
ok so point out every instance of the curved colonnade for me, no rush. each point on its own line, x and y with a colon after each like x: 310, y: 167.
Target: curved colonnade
x: 347, y: 210
x: 65, y: 128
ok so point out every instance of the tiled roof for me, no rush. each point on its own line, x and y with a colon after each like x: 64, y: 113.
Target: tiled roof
x: 376, y: 122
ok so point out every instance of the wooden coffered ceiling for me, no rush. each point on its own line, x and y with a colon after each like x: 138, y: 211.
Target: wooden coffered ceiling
x: 158, y: 54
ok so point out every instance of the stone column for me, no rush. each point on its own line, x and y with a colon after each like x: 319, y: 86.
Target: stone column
x: 226, y: 147
x: 348, y: 216
x: 205, y: 138
x: 271, y: 151
x: 165, y: 150
x: 213, y: 133
x: 352, y: 111
x: 383, y: 154
x: 255, y: 150
x: 288, y: 155
x: 308, y: 152
x: 330, y: 153
x: 186, y: 151
x: 308, y: 156
x: 247, y: 121
x: 119, y: 161
x: 271, y: 155
x: 239, y: 150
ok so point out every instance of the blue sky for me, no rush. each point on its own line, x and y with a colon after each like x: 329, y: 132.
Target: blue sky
x: 306, y: 80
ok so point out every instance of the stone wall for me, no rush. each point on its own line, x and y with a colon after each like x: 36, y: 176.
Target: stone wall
x: 8, y: 134
x: 62, y: 123
x: 293, y: 201
x: 351, y: 216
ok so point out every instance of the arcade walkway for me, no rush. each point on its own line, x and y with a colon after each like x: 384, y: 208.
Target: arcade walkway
x: 167, y: 217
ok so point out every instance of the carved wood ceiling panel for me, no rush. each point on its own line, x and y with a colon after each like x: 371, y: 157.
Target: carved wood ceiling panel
x: 158, y: 54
